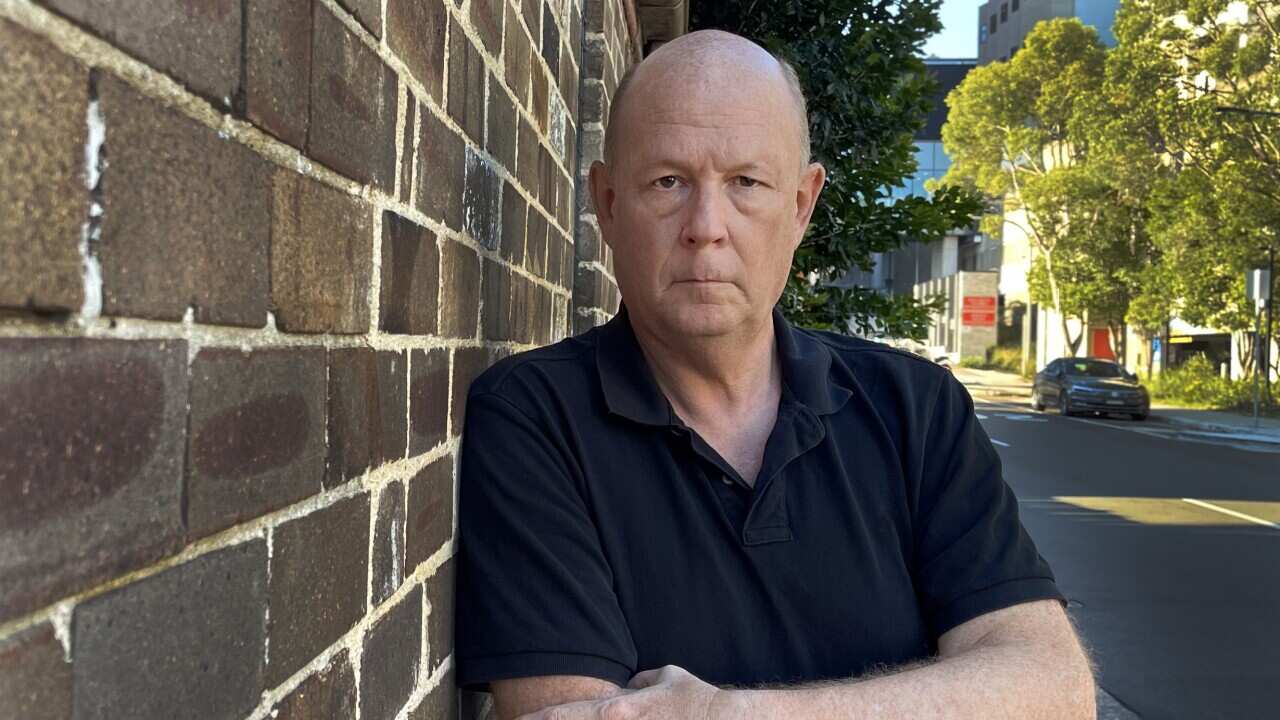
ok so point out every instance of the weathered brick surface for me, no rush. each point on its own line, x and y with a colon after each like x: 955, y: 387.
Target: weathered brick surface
x: 353, y: 104
x: 441, y: 703
x: 460, y: 275
x: 407, y: 138
x: 468, y: 363
x: 256, y: 433
x: 535, y: 243
x: 550, y: 41
x: 486, y: 17
x: 410, y: 277
x: 368, y: 12
x: 319, y: 581
x: 367, y: 406
x: 189, y: 637
x: 440, y: 171
x: 428, y: 399
x: 321, y: 263
x: 416, y: 34
x: 91, y: 445
x: 538, y: 98
x: 329, y: 694
x: 186, y: 219
x: 532, y: 12
x: 440, y: 590
x: 514, y: 215
x: 482, y: 196
x: 277, y: 67
x: 389, y: 662
x: 515, y: 53
x: 196, y: 42
x: 43, y: 200
x: 430, y: 512
x: 388, y: 543
x: 500, y: 138
x: 496, y: 311
x: 466, y: 84
x: 35, y: 679
x: 527, y: 149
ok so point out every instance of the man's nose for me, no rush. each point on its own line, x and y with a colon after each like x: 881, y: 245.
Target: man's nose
x: 705, y: 223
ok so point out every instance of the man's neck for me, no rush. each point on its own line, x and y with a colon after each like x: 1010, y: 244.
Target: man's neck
x: 710, y: 378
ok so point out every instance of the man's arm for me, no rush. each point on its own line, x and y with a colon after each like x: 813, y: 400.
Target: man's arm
x: 518, y: 696
x: 1023, y: 662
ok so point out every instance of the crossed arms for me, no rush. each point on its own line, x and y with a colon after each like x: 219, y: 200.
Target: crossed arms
x: 1022, y: 662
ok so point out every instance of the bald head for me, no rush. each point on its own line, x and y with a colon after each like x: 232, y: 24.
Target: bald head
x: 708, y: 62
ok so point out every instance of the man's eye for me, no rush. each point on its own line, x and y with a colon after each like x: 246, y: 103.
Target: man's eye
x: 667, y: 182
x: 744, y: 181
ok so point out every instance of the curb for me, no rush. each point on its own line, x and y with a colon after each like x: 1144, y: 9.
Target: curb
x: 1224, y: 431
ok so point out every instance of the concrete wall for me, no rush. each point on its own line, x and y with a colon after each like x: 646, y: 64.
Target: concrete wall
x: 252, y: 253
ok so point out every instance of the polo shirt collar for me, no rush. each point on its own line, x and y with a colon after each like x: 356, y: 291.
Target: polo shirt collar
x: 630, y: 389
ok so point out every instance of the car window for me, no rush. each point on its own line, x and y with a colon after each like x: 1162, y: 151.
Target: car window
x: 1093, y: 368
x: 1053, y: 367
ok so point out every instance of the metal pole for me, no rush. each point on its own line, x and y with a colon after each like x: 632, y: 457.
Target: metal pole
x: 1257, y: 358
x: 1271, y: 301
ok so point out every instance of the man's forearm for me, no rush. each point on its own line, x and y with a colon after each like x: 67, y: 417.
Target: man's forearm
x: 998, y: 681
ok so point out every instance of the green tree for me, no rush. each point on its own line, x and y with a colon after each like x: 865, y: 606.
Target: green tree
x: 1014, y: 133
x: 868, y: 93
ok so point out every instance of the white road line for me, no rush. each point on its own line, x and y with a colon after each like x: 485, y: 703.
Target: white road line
x: 981, y: 416
x: 1001, y: 444
x: 1232, y: 513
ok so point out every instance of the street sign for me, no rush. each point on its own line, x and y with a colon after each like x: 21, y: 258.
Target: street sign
x: 978, y: 310
x: 1257, y: 283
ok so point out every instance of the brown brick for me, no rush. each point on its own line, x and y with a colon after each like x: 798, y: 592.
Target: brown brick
x: 527, y: 161
x: 410, y: 277
x: 468, y: 363
x: 189, y: 637
x: 319, y: 581
x: 43, y: 201
x: 388, y: 542
x: 440, y: 171
x: 389, y: 661
x: 566, y: 265
x: 368, y: 12
x: 367, y: 406
x: 550, y: 40
x: 442, y: 702
x: 406, y: 149
x: 186, y: 216
x: 514, y: 214
x: 519, y: 317
x: 440, y: 590
x: 536, y: 244
x: 548, y: 179
x: 482, y: 196
x: 575, y: 33
x: 428, y: 399
x: 500, y: 139
x: 330, y: 694
x: 460, y: 288
x: 353, y: 105
x: 321, y: 257
x: 466, y: 84
x: 516, y: 51
x: 569, y: 85
x: 430, y: 514
x: 278, y: 67
x: 541, y: 316
x: 595, y: 16
x: 532, y: 12
x: 35, y: 680
x: 91, y: 444
x: 256, y: 438
x: 416, y: 34
x: 196, y: 42
x: 555, y: 257
x: 496, y: 310
x: 538, y: 98
x: 486, y: 18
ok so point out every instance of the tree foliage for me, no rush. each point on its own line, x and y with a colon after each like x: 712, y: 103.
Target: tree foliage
x: 867, y: 93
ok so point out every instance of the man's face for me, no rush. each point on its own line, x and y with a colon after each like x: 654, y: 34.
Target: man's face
x: 704, y: 202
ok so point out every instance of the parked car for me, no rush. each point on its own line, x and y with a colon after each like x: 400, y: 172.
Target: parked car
x: 1090, y: 385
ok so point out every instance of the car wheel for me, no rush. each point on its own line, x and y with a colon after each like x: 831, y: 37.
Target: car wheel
x: 1036, y: 403
x: 1139, y: 416
x: 1064, y: 405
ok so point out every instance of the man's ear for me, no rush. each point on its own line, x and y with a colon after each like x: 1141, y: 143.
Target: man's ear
x: 812, y: 179
x: 602, y: 197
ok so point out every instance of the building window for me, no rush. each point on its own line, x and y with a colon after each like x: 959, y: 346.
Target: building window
x: 1004, y: 12
x: 1015, y: 5
x: 982, y: 35
x: 993, y: 24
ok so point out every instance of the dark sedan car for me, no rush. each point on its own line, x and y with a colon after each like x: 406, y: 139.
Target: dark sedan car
x: 1090, y: 385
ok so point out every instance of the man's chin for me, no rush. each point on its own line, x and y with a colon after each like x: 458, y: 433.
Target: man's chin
x: 707, y: 320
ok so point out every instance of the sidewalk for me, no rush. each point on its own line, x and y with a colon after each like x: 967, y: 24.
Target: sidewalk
x: 1007, y: 387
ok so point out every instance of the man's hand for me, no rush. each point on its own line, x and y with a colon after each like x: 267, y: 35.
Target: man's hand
x: 666, y: 693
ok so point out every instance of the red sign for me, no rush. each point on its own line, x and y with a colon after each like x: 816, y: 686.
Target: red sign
x: 978, y: 310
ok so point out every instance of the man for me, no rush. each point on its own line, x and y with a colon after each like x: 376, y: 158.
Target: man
x: 699, y: 511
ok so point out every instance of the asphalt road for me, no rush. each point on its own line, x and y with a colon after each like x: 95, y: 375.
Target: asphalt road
x: 1169, y: 550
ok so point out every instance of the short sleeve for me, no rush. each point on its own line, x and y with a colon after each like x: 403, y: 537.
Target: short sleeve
x: 535, y: 591
x: 973, y: 555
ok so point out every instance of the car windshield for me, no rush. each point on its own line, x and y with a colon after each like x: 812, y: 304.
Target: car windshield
x: 1093, y: 368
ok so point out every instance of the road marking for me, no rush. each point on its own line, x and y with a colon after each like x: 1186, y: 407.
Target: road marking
x: 1232, y: 513
x: 1022, y: 417
x: 981, y: 416
x: 1001, y: 444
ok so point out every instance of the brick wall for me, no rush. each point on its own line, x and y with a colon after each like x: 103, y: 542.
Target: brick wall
x: 252, y: 252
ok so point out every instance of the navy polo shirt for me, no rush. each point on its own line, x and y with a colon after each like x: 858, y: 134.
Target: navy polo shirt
x: 601, y: 536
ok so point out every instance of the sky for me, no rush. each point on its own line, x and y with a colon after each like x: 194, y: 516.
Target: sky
x: 959, y: 36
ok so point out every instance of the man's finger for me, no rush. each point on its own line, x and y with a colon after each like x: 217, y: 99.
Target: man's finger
x: 652, y: 677
x: 582, y: 710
